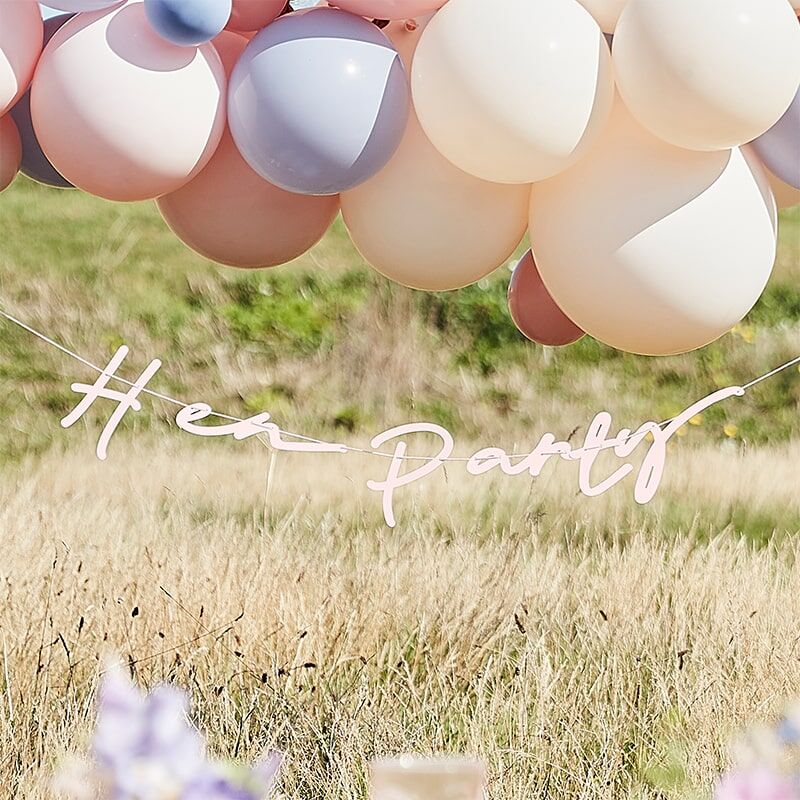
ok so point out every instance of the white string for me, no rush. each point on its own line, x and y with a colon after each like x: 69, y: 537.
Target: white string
x: 348, y: 448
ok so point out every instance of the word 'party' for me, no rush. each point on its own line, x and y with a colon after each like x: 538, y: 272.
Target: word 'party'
x: 402, y: 468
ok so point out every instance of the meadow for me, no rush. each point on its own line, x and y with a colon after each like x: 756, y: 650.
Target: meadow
x: 584, y: 648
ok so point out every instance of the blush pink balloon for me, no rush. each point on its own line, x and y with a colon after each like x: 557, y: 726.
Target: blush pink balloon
x: 389, y: 9
x: 534, y: 311
x: 231, y: 215
x: 10, y: 151
x: 122, y: 113
x: 253, y: 15
x: 21, y: 38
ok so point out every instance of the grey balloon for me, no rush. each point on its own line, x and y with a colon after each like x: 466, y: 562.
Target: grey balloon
x: 319, y: 101
x: 779, y: 147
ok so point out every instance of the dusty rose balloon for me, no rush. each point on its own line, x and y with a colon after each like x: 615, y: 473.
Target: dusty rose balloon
x: 10, y: 151
x: 534, y: 311
x: 253, y: 15
x: 21, y: 37
x: 230, y: 214
x: 121, y: 112
x: 389, y: 9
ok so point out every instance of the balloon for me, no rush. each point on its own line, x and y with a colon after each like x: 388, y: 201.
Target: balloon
x: 74, y: 6
x: 653, y: 249
x: 21, y: 36
x: 34, y: 162
x: 512, y: 97
x: 389, y: 9
x: 426, y: 224
x: 785, y: 196
x: 122, y: 113
x: 606, y: 12
x: 10, y: 151
x: 318, y: 101
x: 231, y: 215
x: 188, y: 22
x: 707, y: 74
x: 422, y: 221
x: 253, y: 15
x: 534, y: 311
x: 779, y: 147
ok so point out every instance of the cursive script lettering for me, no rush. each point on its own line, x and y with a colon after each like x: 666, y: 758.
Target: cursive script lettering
x: 404, y: 469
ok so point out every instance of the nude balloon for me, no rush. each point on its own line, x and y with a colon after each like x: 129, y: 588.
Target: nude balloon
x: 21, y: 37
x: 230, y: 214
x: 10, y: 152
x: 121, y: 112
x: 389, y: 9
x: 424, y: 223
x: 517, y: 96
x: 534, y: 311
x: 785, y: 196
x: 253, y: 15
x: 606, y: 12
x: 707, y: 74
x: 653, y: 249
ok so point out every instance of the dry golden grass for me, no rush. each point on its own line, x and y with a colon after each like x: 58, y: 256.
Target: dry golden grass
x: 585, y: 649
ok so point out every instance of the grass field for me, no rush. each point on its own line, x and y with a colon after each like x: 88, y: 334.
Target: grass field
x: 585, y: 648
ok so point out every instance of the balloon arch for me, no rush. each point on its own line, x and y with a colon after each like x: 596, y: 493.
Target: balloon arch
x: 646, y: 167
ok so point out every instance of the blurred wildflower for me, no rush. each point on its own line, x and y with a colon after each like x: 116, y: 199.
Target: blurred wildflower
x: 696, y: 420
x: 760, y: 784
x: 745, y: 332
x: 767, y: 762
x: 145, y: 748
x: 731, y: 430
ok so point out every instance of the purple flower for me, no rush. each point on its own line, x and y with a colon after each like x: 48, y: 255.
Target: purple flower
x: 145, y: 748
x: 757, y: 784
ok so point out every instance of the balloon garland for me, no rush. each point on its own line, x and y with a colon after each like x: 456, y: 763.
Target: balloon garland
x: 647, y: 173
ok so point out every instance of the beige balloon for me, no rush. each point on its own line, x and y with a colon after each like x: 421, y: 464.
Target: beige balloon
x: 514, y: 96
x: 423, y: 222
x: 785, y: 196
x: 606, y: 12
x: 653, y: 249
x: 707, y: 74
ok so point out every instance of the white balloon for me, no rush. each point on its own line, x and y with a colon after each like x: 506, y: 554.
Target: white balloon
x: 707, y: 74
x: 653, y: 249
x: 606, y: 12
x: 516, y: 95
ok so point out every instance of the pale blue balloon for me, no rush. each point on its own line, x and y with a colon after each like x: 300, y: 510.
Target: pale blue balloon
x: 319, y: 101
x: 188, y: 22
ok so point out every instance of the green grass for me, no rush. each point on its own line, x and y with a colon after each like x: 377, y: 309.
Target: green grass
x: 97, y: 274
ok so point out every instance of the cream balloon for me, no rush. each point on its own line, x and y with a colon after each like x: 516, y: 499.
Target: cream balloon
x: 707, y: 74
x: 21, y: 38
x: 606, y: 12
x: 653, y: 249
x: 10, y: 151
x: 121, y: 112
x: 514, y: 96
